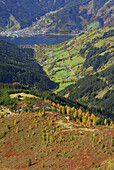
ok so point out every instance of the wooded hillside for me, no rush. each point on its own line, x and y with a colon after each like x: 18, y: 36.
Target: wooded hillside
x: 59, y: 16
x: 18, y: 65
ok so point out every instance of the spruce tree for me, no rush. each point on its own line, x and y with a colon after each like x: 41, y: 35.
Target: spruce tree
x: 29, y: 162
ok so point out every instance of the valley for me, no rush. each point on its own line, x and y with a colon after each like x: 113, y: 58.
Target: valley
x: 66, y: 63
x: 56, y: 85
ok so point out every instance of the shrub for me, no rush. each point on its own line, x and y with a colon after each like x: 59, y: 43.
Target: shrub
x: 8, y: 127
x: 29, y: 162
x: 2, y: 116
x: 56, y: 155
x: 77, y: 147
x: 103, y: 145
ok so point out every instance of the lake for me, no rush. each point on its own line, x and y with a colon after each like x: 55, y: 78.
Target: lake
x: 40, y: 39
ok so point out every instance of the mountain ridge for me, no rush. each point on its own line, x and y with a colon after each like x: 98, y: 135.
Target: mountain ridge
x: 58, y: 16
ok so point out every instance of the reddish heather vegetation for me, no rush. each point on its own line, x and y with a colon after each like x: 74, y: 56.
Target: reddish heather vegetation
x: 43, y: 135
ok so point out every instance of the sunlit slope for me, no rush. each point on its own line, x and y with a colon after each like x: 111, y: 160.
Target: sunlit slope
x: 84, y: 54
x: 43, y: 134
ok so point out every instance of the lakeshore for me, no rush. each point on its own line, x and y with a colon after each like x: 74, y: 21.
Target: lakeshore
x: 39, y: 39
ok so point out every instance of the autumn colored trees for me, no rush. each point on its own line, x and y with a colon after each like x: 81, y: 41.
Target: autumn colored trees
x: 78, y: 115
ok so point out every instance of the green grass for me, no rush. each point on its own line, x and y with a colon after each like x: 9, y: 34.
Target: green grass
x: 46, y: 67
x: 62, y: 86
x: 74, y: 61
x: 89, y: 69
x: 60, y: 54
x: 70, y: 65
x: 93, y: 26
x: 15, y: 22
x: 57, y: 68
x: 62, y: 72
x: 96, y: 24
x: 73, y: 52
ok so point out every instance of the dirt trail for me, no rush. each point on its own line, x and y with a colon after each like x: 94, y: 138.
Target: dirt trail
x: 69, y: 126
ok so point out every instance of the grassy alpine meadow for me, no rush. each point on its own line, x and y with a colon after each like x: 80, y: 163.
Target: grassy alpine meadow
x: 63, y: 86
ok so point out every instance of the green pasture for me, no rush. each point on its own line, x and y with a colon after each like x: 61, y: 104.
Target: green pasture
x: 93, y: 26
x: 63, y: 55
x: 69, y: 63
x: 63, y: 86
x: 61, y: 73
x: 58, y: 52
x: 74, y: 51
x: 68, y: 67
x: 16, y: 23
x: 57, y: 68
x: 57, y: 79
x: 56, y: 49
x: 72, y: 73
x: 89, y: 69
x: 48, y: 54
x: 68, y: 43
x: 46, y: 67
x: 78, y: 60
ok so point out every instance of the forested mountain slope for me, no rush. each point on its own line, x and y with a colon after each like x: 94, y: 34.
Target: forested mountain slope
x: 81, y: 15
x: 67, y: 16
x: 17, y: 65
x: 86, y: 64
x: 25, y: 12
x: 95, y: 90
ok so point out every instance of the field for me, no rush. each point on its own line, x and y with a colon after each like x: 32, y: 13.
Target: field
x: 67, y: 62
x: 22, y: 95
x: 37, y: 136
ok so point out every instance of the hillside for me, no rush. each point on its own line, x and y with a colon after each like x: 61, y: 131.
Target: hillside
x: 95, y: 90
x: 85, y: 54
x: 37, y: 133
x: 55, y: 16
x: 19, y: 12
x: 78, y: 16
x: 77, y: 61
x: 18, y: 66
